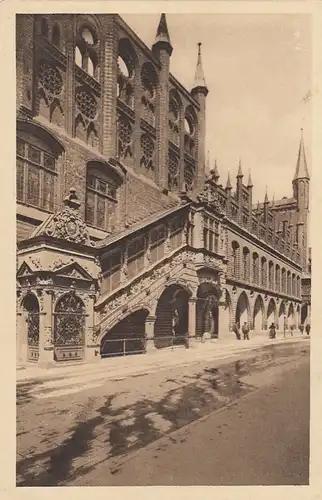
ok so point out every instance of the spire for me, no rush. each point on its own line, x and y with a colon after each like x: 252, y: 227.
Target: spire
x: 240, y: 172
x: 273, y: 200
x: 228, y: 184
x: 250, y: 183
x: 266, y: 197
x: 199, y: 82
x: 162, y: 38
x: 215, y: 172
x: 301, y: 171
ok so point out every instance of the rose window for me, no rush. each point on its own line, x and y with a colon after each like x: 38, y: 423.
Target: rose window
x: 147, y: 152
x: 51, y: 80
x: 86, y: 104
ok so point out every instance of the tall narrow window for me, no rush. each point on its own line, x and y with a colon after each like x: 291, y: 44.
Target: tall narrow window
x: 157, y: 237
x: 36, y: 176
x: 176, y: 232
x: 135, y: 257
x: 112, y: 272
x: 101, y: 198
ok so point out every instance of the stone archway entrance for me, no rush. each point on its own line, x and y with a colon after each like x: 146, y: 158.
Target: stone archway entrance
x: 258, y: 316
x: 30, y: 307
x: 126, y: 337
x: 171, y: 317
x: 242, y: 309
x: 207, y: 310
x: 271, y: 313
x: 281, y: 315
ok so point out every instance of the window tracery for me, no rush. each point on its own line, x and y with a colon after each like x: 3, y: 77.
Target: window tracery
x: 173, y: 172
x: 125, y: 131
x: 148, y: 84
x: 86, y: 116
x: 190, y: 130
x: 69, y: 323
x: 174, y: 127
x: 50, y: 81
x: 147, y: 152
x: 189, y: 176
x: 126, y: 72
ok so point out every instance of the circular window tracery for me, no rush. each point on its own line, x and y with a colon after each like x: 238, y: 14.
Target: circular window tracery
x: 50, y: 79
x: 86, y: 104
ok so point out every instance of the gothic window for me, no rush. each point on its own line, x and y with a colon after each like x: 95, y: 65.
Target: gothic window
x: 189, y: 176
x: 278, y: 278
x: 86, y: 51
x: 176, y: 232
x: 112, y: 275
x: 283, y: 280
x: 125, y: 131
x: 235, y: 253
x: 147, y: 152
x: 125, y: 72
x: 135, y: 257
x: 246, y: 263
x: 210, y: 234
x: 157, y: 238
x: 44, y: 27
x: 86, y: 111
x: 55, y: 37
x: 36, y: 176
x: 173, y: 172
x: 149, y: 86
x: 101, y: 198
x: 255, y: 268
x: 69, y: 322
x: 271, y: 275
x: 289, y: 283
x: 174, y: 126
x: 190, y: 121
x: 264, y: 271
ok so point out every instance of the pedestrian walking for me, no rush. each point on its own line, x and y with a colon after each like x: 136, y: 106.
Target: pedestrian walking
x: 301, y: 328
x: 308, y: 329
x: 236, y: 330
x: 245, y: 331
x: 272, y: 331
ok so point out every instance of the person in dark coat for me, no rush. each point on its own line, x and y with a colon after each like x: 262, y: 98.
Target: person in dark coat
x: 272, y: 331
x: 236, y: 330
x: 308, y: 329
x: 245, y: 330
x: 301, y: 328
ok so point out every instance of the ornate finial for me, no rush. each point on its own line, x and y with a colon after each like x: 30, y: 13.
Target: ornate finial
x: 72, y: 199
x: 228, y: 184
x: 250, y: 182
x: 266, y: 196
x: 240, y: 172
x: 162, y: 39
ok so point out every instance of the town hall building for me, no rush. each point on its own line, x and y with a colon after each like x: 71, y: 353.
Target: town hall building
x: 125, y: 243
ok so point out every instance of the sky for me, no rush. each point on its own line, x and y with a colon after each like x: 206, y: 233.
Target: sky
x: 258, y: 72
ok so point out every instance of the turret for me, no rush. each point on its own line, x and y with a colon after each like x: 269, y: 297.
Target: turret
x: 162, y: 50
x: 199, y: 92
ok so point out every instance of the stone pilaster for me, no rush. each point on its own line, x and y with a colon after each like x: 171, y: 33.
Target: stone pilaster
x: 46, y: 346
x: 149, y: 333
x: 91, y: 347
x: 108, y: 129
x: 192, y: 317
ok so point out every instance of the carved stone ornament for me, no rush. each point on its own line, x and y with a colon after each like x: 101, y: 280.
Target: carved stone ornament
x: 68, y: 224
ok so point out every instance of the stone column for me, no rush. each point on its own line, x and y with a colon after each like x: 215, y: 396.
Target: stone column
x: 46, y: 346
x: 149, y: 333
x: 91, y: 348
x: 192, y: 317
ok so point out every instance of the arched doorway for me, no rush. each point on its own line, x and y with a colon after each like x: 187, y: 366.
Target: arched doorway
x: 207, y: 310
x: 304, y: 314
x: 271, y: 313
x: 171, y: 317
x: 258, y: 316
x: 242, y: 310
x: 281, y: 314
x: 69, y: 328
x: 291, y: 316
x: 30, y: 307
x: 126, y: 337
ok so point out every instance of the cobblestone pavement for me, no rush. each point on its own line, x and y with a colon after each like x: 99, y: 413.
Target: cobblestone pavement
x: 62, y: 440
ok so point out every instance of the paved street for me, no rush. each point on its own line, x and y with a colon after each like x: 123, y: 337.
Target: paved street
x: 146, y: 428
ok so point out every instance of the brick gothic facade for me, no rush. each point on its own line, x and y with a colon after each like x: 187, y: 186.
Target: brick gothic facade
x: 124, y: 244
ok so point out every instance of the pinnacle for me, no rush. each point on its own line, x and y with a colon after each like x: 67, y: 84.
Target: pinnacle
x: 228, y: 184
x: 250, y: 183
x: 162, y: 36
x: 199, y: 81
x: 240, y: 172
x: 301, y: 171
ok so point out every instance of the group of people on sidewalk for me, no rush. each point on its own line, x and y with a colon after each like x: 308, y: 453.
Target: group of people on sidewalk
x: 272, y: 330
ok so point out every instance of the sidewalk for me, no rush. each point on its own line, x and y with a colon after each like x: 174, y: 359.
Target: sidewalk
x: 58, y: 380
